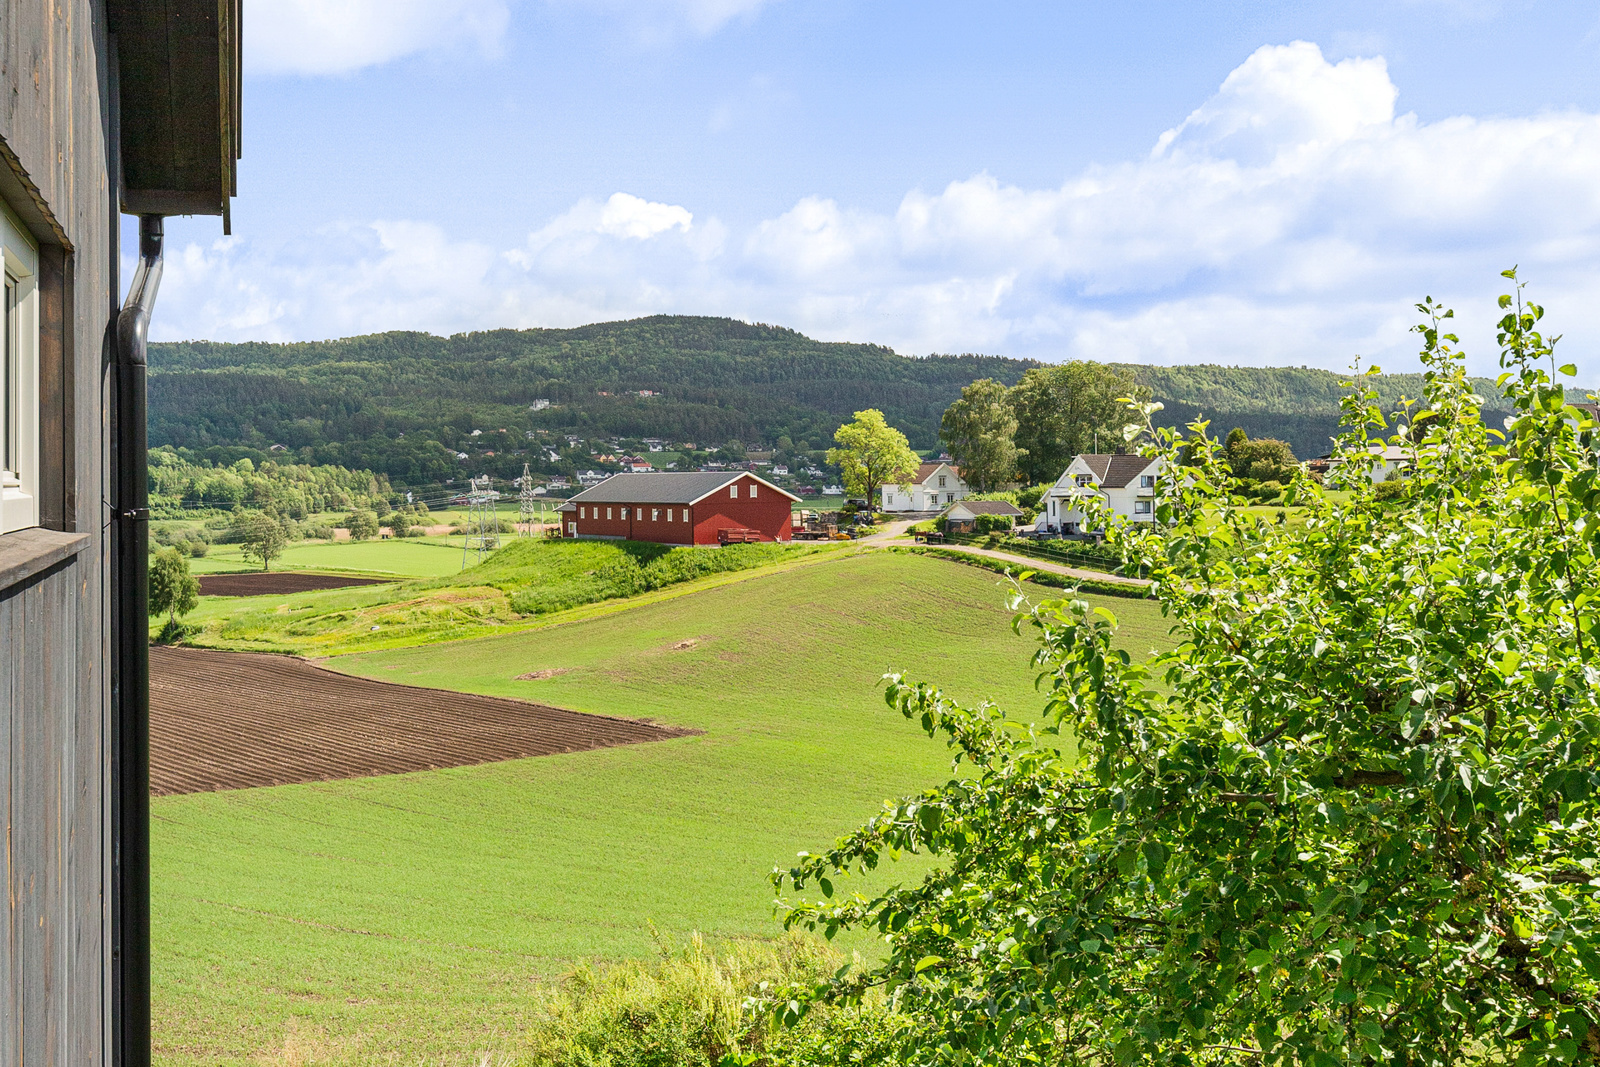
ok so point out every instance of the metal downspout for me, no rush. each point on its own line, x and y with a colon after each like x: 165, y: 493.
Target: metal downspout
x: 130, y: 784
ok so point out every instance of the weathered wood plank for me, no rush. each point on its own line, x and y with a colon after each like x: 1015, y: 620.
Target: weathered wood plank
x: 11, y: 675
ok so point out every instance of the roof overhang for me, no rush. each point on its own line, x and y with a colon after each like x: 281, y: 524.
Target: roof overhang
x: 178, y: 101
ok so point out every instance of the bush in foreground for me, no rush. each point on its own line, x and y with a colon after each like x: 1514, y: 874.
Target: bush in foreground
x: 696, y: 1008
x: 1350, y: 819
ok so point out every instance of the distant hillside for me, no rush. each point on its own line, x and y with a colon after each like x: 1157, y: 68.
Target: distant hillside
x: 1295, y: 404
x: 717, y: 379
x: 403, y: 403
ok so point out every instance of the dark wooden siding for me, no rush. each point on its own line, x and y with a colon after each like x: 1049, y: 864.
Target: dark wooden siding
x: 51, y: 948
x: 54, y: 688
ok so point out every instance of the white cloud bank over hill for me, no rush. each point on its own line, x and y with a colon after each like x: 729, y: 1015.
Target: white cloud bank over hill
x: 1292, y: 218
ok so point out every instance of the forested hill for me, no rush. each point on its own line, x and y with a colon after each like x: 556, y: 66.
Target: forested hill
x: 403, y: 403
x: 717, y: 379
x: 1299, y: 405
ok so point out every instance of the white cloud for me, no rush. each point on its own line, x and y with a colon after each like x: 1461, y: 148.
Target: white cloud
x: 1292, y: 218
x: 657, y: 21
x: 340, y: 36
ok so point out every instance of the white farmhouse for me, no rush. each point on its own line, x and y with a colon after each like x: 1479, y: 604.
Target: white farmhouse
x: 1126, y: 483
x: 933, y: 487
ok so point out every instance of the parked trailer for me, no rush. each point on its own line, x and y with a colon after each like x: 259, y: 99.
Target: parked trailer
x: 734, y: 535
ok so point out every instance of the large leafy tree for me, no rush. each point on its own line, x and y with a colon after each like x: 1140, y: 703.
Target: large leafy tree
x: 1349, y: 819
x: 173, y: 590
x: 871, y: 454
x: 262, y: 536
x: 980, y: 431
x: 1061, y: 410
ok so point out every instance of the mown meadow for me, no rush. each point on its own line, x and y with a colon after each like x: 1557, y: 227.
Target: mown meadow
x: 414, y: 918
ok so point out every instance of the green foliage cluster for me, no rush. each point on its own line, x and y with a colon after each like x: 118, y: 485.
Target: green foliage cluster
x: 174, y: 592
x: 347, y: 402
x: 980, y: 430
x: 871, y: 454
x: 262, y: 536
x: 183, y: 484
x: 1350, y: 819
x: 1065, y: 410
x: 693, y: 1008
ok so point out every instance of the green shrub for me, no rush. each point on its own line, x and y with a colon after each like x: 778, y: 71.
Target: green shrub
x: 1389, y: 490
x: 696, y: 1008
x: 198, y: 549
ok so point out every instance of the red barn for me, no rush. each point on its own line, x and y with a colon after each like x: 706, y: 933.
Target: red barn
x: 680, y: 509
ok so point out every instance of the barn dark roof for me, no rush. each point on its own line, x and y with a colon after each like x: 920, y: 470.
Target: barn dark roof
x: 664, y: 488
x: 1115, y: 472
x: 178, y: 102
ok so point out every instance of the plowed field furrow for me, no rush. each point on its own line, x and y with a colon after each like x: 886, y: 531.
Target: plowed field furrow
x: 233, y: 720
x: 271, y: 583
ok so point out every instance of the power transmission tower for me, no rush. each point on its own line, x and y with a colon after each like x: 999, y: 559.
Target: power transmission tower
x: 525, y: 503
x: 483, y: 525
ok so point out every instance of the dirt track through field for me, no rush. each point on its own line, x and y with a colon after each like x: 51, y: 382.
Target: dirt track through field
x: 274, y: 583
x: 233, y: 720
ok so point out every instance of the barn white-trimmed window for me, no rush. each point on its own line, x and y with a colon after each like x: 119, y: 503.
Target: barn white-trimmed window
x: 685, y: 514
x: 733, y: 490
x: 19, y: 380
x: 581, y: 512
x: 655, y: 514
x: 608, y: 512
x: 753, y: 492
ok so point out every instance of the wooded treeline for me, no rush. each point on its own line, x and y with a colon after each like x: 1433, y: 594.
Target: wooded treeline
x: 403, y: 403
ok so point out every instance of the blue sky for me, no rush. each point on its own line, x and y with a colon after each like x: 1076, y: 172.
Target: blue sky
x: 1153, y: 182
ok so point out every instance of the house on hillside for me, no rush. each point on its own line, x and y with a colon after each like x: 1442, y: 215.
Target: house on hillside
x: 111, y: 107
x: 934, y: 486
x: 680, y: 509
x: 1126, y: 483
x: 963, y: 517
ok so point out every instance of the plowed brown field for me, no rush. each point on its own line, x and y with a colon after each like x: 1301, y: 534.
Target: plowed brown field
x: 232, y: 720
x: 273, y: 583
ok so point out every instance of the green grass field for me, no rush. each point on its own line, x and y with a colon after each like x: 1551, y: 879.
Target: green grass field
x: 408, y: 919
x: 413, y: 557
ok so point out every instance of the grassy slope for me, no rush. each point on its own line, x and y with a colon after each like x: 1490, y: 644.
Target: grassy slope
x: 470, y: 603
x: 407, y: 918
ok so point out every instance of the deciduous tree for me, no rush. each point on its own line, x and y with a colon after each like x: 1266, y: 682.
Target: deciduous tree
x: 173, y: 590
x: 1350, y: 819
x: 871, y: 454
x: 362, y: 524
x: 1061, y: 409
x: 262, y: 537
x: 980, y: 431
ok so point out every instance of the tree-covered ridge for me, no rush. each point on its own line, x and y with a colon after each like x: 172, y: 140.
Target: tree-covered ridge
x: 709, y: 380
x: 1299, y: 405
x: 403, y: 403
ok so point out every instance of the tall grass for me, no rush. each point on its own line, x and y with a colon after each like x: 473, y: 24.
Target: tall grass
x: 696, y: 1008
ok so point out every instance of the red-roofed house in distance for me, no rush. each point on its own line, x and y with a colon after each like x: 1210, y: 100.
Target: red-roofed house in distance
x: 699, y: 508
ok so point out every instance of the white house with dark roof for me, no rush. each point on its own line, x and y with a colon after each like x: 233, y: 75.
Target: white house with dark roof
x: 1126, y: 483
x: 933, y: 487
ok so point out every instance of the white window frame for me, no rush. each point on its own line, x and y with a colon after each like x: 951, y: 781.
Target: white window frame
x: 655, y: 514
x: 581, y: 512
x: 753, y: 492
x: 733, y: 491
x: 19, y: 379
x: 1142, y: 507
